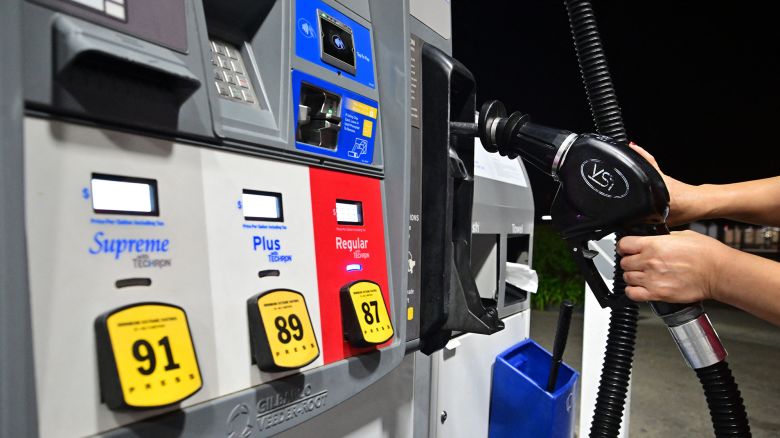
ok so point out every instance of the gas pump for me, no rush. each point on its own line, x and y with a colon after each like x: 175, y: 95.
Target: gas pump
x: 215, y: 213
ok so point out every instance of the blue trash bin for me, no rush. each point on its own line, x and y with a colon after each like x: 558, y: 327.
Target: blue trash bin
x: 520, y: 406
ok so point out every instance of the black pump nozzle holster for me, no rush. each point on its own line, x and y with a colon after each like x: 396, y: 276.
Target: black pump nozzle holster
x: 450, y: 300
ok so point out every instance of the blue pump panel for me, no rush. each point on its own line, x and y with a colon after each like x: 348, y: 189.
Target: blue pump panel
x: 309, y: 40
x: 359, y: 117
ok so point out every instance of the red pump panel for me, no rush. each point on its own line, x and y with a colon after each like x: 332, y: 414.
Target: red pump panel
x: 349, y: 238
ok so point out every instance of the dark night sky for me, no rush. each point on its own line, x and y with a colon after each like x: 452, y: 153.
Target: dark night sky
x: 698, y: 82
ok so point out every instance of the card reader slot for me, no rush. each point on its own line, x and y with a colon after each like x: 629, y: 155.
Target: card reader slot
x: 319, y: 117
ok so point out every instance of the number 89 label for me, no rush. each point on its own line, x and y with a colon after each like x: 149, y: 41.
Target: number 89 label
x: 146, y: 356
x: 281, y: 331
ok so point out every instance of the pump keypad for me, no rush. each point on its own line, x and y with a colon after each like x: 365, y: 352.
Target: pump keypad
x: 230, y: 73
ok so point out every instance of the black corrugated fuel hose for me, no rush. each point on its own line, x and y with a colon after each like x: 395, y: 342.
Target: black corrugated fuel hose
x: 621, y: 337
x: 729, y: 418
x: 727, y: 410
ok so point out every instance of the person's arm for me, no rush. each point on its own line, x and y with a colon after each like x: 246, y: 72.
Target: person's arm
x: 687, y: 267
x: 756, y: 202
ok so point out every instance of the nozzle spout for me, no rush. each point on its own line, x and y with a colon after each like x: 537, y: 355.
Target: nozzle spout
x: 515, y: 135
x: 465, y: 129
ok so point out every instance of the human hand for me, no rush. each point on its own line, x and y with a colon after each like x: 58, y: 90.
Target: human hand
x: 685, y: 202
x: 682, y: 267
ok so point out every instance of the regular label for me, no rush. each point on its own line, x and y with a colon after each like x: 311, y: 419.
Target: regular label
x: 364, y: 312
x: 281, y: 331
x: 146, y: 356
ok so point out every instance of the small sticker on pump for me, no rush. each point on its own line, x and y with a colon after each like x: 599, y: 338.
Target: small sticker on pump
x: 362, y: 108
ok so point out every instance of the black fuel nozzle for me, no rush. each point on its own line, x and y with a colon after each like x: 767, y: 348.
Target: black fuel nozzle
x: 605, y: 187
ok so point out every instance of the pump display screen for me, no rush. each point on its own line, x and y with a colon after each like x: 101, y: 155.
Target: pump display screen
x: 262, y: 206
x: 349, y: 212
x: 112, y: 194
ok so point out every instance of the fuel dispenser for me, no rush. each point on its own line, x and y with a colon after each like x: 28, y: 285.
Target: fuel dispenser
x: 214, y: 211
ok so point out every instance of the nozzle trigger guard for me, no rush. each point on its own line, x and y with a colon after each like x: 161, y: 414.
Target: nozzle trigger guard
x: 583, y: 258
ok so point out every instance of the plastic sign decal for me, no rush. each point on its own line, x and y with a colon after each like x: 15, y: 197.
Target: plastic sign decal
x: 280, y: 331
x: 146, y: 356
x: 365, y: 316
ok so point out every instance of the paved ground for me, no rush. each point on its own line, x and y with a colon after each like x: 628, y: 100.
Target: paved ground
x: 667, y: 399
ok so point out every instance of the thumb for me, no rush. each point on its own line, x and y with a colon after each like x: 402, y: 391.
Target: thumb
x: 646, y: 155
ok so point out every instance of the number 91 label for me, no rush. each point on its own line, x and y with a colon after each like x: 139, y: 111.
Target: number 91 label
x: 146, y: 357
x: 280, y: 331
x: 364, y: 314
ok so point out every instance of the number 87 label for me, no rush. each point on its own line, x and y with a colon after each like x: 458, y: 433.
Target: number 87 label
x: 280, y: 330
x: 146, y: 357
x: 364, y: 314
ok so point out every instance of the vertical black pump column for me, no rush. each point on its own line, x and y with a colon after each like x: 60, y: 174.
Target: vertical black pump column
x: 450, y: 300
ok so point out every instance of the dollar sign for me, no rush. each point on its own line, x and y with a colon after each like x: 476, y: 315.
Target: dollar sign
x: 239, y: 205
x: 85, y: 193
